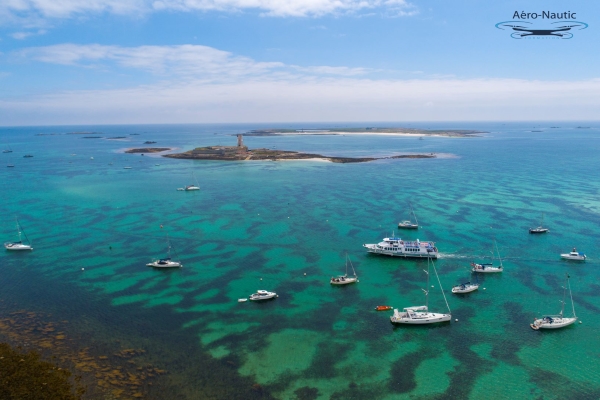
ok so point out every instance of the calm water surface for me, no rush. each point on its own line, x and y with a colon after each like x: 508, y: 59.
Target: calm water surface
x: 287, y: 227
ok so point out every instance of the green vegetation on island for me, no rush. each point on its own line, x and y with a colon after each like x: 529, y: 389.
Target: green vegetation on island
x: 242, y: 153
x: 148, y: 150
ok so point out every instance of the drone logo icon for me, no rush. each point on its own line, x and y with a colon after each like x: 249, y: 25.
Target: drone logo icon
x: 563, y: 30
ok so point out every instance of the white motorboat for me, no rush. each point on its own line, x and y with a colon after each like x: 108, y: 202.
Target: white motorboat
x: 556, y: 321
x: 420, y: 315
x: 166, y: 262
x: 409, y: 224
x: 19, y: 245
x: 394, y: 246
x: 466, y: 287
x: 345, y: 279
x: 573, y: 255
x: 488, y: 268
x: 263, y: 295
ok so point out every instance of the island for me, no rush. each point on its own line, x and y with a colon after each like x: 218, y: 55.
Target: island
x: 148, y: 150
x: 242, y: 153
x: 366, y: 131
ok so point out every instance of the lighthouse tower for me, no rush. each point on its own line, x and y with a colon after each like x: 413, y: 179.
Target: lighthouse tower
x: 240, y: 143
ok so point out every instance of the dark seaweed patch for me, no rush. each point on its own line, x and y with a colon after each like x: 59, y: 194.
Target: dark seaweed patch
x: 306, y: 393
x: 402, y: 374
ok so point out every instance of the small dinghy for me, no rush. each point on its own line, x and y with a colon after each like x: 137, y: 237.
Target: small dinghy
x: 383, y: 308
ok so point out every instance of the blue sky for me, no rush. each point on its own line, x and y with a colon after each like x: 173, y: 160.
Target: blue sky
x: 170, y: 61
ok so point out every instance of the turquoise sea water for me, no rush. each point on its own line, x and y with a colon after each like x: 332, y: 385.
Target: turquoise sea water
x: 286, y: 227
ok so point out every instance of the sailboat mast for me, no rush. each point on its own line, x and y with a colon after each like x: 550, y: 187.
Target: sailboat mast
x: 571, y: 295
x: 441, y: 289
x: 18, y: 228
x: 427, y: 291
x: 168, y: 247
x: 562, y: 309
x: 498, y: 252
x: 346, y: 264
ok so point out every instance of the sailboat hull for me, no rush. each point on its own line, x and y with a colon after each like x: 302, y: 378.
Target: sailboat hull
x: 466, y: 289
x: 17, y: 247
x: 169, y: 264
x: 420, y: 318
x: 343, y: 280
x: 555, y: 324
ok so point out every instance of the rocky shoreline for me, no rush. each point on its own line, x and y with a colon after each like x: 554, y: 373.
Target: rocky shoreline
x: 231, y: 153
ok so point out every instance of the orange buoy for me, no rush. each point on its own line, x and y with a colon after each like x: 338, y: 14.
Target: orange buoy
x: 383, y: 308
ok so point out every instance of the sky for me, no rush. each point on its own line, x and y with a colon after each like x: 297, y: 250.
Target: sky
x: 233, y: 61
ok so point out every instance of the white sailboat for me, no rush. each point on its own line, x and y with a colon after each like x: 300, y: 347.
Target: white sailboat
x: 557, y: 321
x: 165, y: 262
x: 345, y: 279
x: 409, y: 224
x: 466, y: 287
x: 539, y: 229
x: 18, y: 246
x: 487, y: 268
x: 189, y: 188
x: 420, y: 315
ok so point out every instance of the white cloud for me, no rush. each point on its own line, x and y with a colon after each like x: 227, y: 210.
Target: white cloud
x: 201, y: 84
x: 25, y: 35
x: 36, y: 12
x: 262, y: 99
x: 183, y: 60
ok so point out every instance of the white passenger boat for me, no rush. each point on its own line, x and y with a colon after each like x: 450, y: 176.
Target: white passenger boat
x: 420, y: 315
x: 263, y: 295
x: 488, y: 268
x: 166, y: 262
x: 19, y: 245
x: 574, y: 255
x: 556, y: 321
x: 403, y: 248
x: 345, y: 279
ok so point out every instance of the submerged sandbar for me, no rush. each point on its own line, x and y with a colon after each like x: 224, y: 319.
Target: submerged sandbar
x: 366, y: 131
